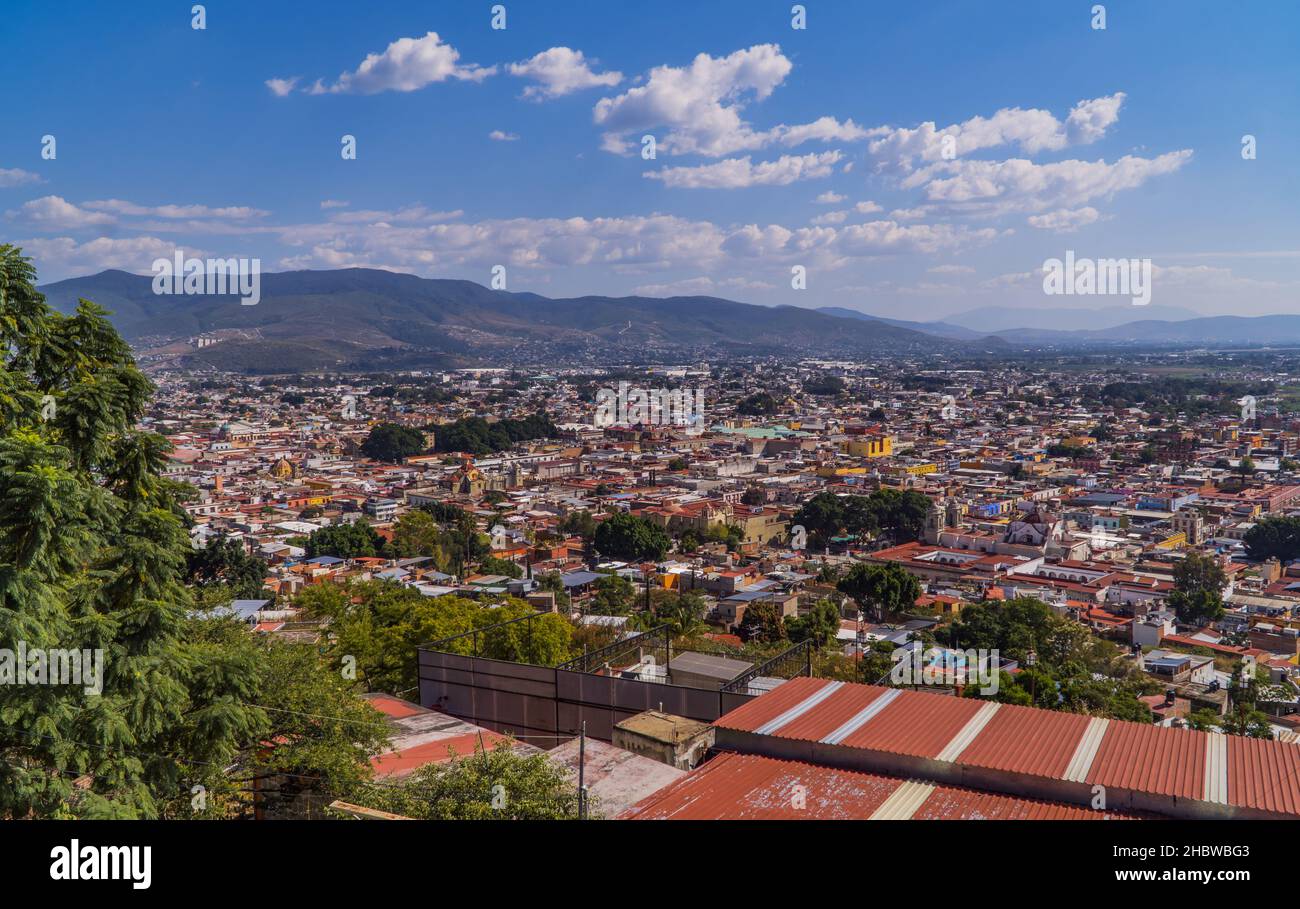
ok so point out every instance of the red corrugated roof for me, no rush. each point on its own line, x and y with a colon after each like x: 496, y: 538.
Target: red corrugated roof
x: 948, y: 803
x: 1026, y: 740
x: 830, y: 714
x: 439, y: 751
x: 1263, y: 774
x: 394, y: 707
x: 1151, y: 759
x: 749, y: 787
x: 768, y: 707
x: 753, y: 787
x: 915, y: 723
x: 1174, y: 763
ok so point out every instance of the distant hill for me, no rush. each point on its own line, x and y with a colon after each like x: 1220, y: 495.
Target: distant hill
x: 939, y: 329
x: 370, y: 319
x: 988, y: 319
x: 1208, y: 331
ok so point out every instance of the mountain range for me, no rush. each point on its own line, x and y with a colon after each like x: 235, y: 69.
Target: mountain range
x: 367, y: 319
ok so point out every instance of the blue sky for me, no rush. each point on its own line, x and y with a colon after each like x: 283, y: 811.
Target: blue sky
x: 776, y: 147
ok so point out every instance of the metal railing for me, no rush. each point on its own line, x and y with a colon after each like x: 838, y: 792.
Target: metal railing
x: 656, y: 639
x: 785, y: 665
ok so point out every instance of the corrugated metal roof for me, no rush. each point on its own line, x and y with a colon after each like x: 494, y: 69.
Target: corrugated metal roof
x: 1151, y: 759
x: 748, y: 717
x: 749, y: 787
x: 1026, y: 740
x: 1174, y: 763
x: 735, y: 786
x: 831, y: 713
x: 948, y: 803
x: 915, y: 723
x: 1263, y: 774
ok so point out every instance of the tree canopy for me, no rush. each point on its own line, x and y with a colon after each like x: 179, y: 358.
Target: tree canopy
x: 626, y: 536
x: 392, y: 442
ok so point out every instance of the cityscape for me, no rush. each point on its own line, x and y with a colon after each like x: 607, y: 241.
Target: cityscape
x: 543, y: 414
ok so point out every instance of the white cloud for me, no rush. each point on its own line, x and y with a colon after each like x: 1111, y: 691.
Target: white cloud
x: 1018, y: 185
x: 121, y: 207
x: 561, y: 71
x: 57, y: 213
x: 831, y: 217
x: 406, y: 65
x: 1065, y: 220
x: 61, y: 257
x: 411, y: 214
x: 1033, y: 131
x: 951, y: 270
x: 17, y: 177
x: 908, y: 214
x: 867, y: 208
x: 628, y: 245
x: 700, y: 106
x: 701, y: 286
x: 282, y: 87
x: 738, y: 173
x: 830, y: 197
x: 500, y: 136
x: 334, y: 203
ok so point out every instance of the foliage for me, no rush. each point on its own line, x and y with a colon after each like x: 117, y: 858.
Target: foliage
x: 1274, y: 538
x: 351, y: 540
x: 380, y: 625
x: 626, y: 536
x: 614, y: 595
x: 880, y: 589
x: 392, y: 442
x: 494, y: 784
x: 476, y: 436
x: 578, y: 523
x: 901, y: 514
x: 762, y: 622
x: 224, y: 562
x: 820, y: 624
x: 93, y: 555
x: 1198, y: 589
x: 494, y: 565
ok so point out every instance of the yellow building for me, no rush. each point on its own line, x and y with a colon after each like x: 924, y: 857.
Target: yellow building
x: 868, y: 446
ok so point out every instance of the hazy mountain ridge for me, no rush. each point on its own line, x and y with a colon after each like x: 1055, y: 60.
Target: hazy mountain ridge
x: 364, y: 317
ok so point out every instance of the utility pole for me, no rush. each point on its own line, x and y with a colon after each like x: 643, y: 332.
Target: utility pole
x: 582, y: 777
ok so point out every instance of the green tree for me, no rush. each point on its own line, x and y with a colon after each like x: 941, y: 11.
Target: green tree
x: 314, y: 735
x: 493, y: 565
x: 93, y: 553
x: 880, y: 589
x: 762, y: 623
x: 1274, y: 538
x: 1198, y: 589
x: 352, y: 540
x: 392, y: 442
x: 613, y: 595
x: 416, y: 534
x: 495, y: 784
x: 381, y: 624
x: 820, y: 624
x: 224, y: 562
x: 626, y: 536
x: 578, y: 523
